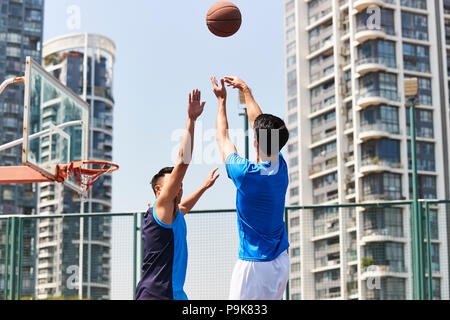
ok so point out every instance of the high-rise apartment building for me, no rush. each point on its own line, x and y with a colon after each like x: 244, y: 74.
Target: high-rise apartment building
x: 346, y: 62
x: 21, y: 27
x: 84, y: 63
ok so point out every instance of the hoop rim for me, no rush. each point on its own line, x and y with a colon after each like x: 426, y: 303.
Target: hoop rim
x: 84, y: 177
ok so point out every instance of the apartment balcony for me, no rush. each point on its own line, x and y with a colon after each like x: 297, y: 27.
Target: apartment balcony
x: 383, y: 196
x: 326, y: 229
x: 328, y: 296
x: 326, y: 264
x: 375, y: 164
x: 324, y: 39
x: 377, y: 97
x: 326, y: 283
x: 364, y: 33
x: 352, y: 255
x: 382, y: 235
x: 377, y: 271
x: 372, y: 64
x: 361, y: 5
x: 322, y: 168
x: 321, y: 106
x: 318, y: 13
x: 321, y: 75
x: 377, y: 130
x: 323, y: 135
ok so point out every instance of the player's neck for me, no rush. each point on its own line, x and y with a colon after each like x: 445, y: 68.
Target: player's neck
x: 264, y: 158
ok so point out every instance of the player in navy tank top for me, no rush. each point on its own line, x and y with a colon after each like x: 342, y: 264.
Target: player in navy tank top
x: 164, y: 227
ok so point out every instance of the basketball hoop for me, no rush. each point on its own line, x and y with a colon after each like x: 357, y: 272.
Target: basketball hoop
x: 84, y: 177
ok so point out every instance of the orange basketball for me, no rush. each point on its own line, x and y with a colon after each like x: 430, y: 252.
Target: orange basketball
x: 224, y: 19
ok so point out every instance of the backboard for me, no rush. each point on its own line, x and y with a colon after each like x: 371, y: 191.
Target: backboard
x: 55, y: 126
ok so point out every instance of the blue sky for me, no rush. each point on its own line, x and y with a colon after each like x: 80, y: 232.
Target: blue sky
x: 164, y: 50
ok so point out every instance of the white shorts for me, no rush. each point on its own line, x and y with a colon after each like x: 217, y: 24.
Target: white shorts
x: 260, y: 280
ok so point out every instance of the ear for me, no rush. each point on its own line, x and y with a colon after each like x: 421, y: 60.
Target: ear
x: 158, y: 189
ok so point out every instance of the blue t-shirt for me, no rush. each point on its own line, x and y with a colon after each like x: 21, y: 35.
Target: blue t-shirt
x: 165, y: 258
x: 260, y: 203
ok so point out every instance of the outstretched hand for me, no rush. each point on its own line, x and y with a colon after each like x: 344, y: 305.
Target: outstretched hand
x: 220, y: 92
x: 211, y: 179
x: 195, y: 107
x: 236, y: 83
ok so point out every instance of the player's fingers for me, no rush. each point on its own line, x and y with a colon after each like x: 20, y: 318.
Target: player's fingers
x: 222, y: 81
x: 213, y: 172
x: 217, y: 177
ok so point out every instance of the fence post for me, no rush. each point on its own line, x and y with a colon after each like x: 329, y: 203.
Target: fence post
x: 142, y: 245
x: 286, y: 218
x: 430, y: 266
x: 135, y: 230
x: 19, y: 264
x: 12, y: 279
x: 5, y: 280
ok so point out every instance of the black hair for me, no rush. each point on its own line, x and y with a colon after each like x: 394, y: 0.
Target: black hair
x: 272, y: 127
x: 159, y: 175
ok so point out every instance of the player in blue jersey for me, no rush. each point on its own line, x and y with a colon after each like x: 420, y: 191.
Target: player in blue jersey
x: 164, y: 227
x: 262, y: 271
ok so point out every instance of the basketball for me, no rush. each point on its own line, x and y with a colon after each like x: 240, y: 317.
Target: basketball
x: 224, y: 19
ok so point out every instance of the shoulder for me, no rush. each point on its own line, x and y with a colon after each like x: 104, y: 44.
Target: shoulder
x: 236, y: 159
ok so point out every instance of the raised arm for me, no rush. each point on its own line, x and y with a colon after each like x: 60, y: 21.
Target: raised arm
x: 189, y: 203
x: 253, y: 109
x: 165, y: 206
x: 226, y: 147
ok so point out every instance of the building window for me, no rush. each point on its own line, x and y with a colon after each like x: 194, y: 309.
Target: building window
x: 290, y: 47
x: 384, y: 186
x: 292, y: 82
x: 387, y: 222
x: 416, y: 4
x: 291, y: 61
x: 425, y: 156
x: 295, y: 267
x: 293, y: 176
x: 290, y: 34
x: 292, y: 147
x: 383, y: 152
x: 390, y: 254
x: 380, y: 118
x: 380, y: 51
x: 424, y: 123
x: 435, y: 260
x: 426, y: 187
x: 295, y: 283
x: 294, y: 192
x: 290, y: 5
x: 292, y: 104
x: 416, y: 57
x: 293, y: 162
x: 434, y: 225
x: 293, y: 133
x: 292, y: 118
x: 295, y: 237
x: 414, y: 26
x: 290, y: 19
x: 387, y: 23
x: 295, y: 222
x: 391, y: 289
x: 379, y: 84
x: 295, y: 252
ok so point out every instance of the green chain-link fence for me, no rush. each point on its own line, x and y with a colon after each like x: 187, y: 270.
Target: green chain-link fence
x: 354, y: 251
